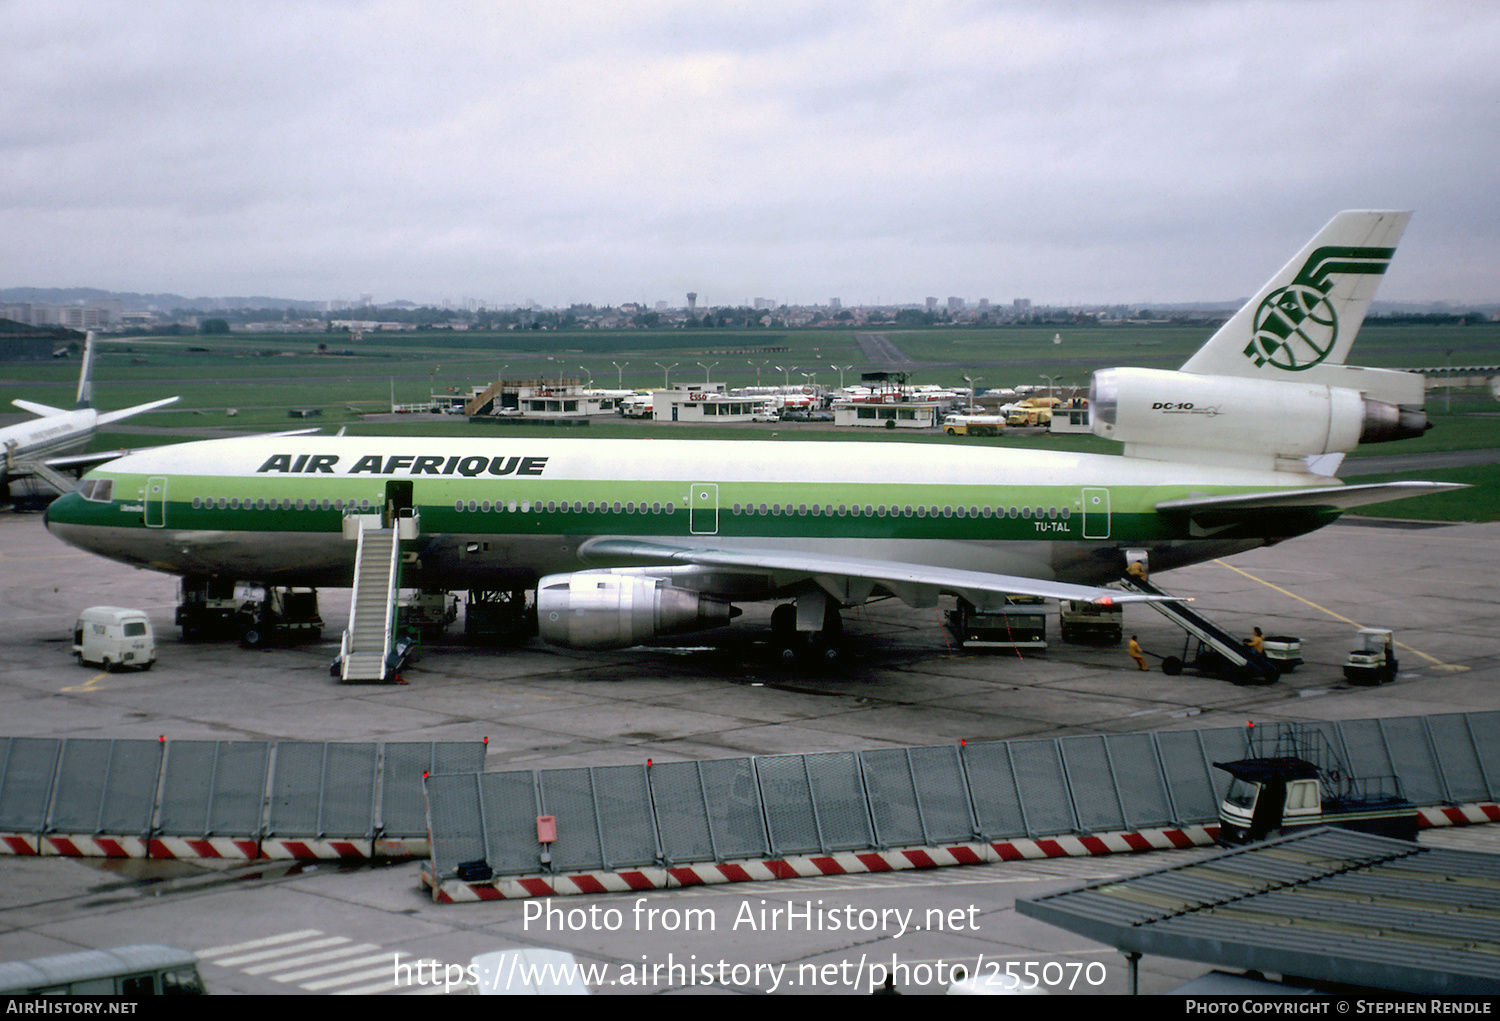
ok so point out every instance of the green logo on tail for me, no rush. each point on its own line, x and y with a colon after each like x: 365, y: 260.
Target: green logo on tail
x: 1296, y: 326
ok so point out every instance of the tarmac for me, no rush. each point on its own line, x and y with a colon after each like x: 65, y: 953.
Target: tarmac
x: 718, y: 695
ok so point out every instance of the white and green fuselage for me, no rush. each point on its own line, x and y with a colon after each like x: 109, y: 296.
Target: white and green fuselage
x: 495, y: 513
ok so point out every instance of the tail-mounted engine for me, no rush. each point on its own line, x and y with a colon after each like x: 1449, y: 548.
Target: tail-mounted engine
x: 600, y: 610
x: 1231, y: 420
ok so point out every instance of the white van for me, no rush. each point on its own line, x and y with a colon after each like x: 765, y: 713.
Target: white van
x: 114, y: 637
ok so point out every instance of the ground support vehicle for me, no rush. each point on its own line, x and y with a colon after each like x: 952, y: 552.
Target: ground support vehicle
x: 1374, y: 662
x: 1283, y: 650
x: 499, y: 617
x: 974, y: 425
x: 1019, y: 624
x: 1295, y: 780
x: 1217, y: 651
x: 1082, y: 623
x: 146, y: 969
x: 206, y: 607
x: 428, y: 612
x: 114, y: 637
x: 1210, y: 659
x: 280, y: 617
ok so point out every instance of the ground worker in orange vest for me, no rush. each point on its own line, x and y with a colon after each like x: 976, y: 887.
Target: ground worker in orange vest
x: 1135, y: 653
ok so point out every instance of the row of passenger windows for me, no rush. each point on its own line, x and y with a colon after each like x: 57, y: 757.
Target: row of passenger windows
x: 553, y: 507
x: 817, y: 509
x: 630, y: 507
x: 261, y: 503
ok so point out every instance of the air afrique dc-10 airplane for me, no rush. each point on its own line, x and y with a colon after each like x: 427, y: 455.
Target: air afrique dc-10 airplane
x: 629, y: 539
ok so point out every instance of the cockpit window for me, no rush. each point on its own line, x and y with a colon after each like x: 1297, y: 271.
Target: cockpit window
x: 99, y: 490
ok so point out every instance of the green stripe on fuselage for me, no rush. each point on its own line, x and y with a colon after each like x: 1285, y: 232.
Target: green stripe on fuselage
x: 791, y: 509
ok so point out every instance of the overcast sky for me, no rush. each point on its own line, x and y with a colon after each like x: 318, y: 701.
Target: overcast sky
x: 605, y: 152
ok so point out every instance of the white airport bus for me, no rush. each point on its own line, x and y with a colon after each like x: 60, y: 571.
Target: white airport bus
x: 146, y: 969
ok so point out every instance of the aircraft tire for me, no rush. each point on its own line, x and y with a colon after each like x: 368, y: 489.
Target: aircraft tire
x: 788, y: 652
x: 825, y: 652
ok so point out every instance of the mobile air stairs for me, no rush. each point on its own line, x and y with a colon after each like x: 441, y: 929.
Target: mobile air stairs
x: 369, y: 652
x: 1219, y: 652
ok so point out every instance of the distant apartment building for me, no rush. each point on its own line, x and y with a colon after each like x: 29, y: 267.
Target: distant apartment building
x: 93, y: 315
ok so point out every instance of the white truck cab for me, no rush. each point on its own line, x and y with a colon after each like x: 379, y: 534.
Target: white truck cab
x: 114, y: 637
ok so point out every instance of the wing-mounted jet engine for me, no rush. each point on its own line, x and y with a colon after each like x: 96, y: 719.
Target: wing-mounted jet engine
x: 602, y: 610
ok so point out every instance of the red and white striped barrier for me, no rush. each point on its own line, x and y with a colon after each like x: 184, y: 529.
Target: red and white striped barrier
x: 452, y: 891
x: 235, y: 848
x: 1458, y: 815
x: 91, y: 846
x: 21, y: 845
x: 306, y: 848
x: 204, y: 847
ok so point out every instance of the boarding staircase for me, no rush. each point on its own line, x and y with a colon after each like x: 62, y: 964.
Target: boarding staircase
x: 484, y: 401
x: 366, y: 652
x: 51, y: 476
x: 1244, y: 664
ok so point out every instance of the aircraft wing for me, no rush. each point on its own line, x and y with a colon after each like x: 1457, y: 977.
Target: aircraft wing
x: 1247, y: 506
x: 106, y: 417
x: 854, y: 578
x: 83, y: 462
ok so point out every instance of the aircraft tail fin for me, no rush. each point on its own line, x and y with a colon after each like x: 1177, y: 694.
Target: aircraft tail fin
x: 1300, y: 325
x: 86, y: 374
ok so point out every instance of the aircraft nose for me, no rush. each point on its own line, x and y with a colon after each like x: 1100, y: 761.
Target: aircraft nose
x: 58, y: 511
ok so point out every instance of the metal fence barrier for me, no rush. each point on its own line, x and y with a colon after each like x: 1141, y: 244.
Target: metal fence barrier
x: 245, y: 791
x: 675, y: 813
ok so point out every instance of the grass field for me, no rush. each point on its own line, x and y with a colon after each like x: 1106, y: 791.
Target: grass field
x: 262, y: 377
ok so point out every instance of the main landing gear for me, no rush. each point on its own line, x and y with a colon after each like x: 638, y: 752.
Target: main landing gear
x: 808, y: 632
